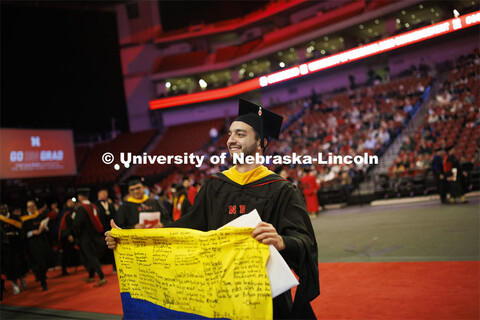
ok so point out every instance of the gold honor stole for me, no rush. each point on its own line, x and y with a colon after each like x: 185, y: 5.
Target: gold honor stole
x: 17, y: 224
x: 184, y: 273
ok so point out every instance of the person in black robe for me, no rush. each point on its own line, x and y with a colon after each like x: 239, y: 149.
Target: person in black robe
x: 186, y: 206
x: 128, y: 215
x: 106, y: 212
x: 35, y: 233
x: 451, y: 166
x: 439, y: 176
x: 13, y: 261
x: 285, y: 221
x: 66, y: 238
x: 466, y: 166
x: 88, y: 230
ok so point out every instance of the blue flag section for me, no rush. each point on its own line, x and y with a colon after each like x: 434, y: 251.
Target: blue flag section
x: 135, y: 309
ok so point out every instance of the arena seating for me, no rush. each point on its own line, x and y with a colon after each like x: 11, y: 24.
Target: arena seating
x: 452, y: 121
x: 94, y: 171
x: 180, y: 139
x: 196, y: 58
x: 80, y: 154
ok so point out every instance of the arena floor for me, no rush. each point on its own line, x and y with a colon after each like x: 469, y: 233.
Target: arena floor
x: 418, y: 260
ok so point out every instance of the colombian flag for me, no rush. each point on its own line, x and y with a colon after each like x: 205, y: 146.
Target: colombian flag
x: 176, y: 273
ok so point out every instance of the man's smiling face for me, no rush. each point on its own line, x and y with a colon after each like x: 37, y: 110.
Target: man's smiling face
x: 242, y: 139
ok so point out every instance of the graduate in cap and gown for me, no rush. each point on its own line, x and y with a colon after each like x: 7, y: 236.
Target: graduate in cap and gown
x: 88, y: 235
x: 35, y: 233
x: 66, y: 237
x: 243, y: 188
x: 128, y: 215
x: 106, y: 212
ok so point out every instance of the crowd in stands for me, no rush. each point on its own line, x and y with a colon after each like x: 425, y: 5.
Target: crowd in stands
x: 362, y: 120
x: 452, y: 123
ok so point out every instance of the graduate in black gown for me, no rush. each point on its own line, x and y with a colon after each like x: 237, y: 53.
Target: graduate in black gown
x: 128, y: 215
x: 106, y: 212
x: 13, y: 260
x: 285, y: 221
x: 453, y: 174
x: 88, y: 231
x: 35, y: 233
x: 66, y: 238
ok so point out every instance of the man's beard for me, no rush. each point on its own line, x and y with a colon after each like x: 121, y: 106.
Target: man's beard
x: 250, y: 150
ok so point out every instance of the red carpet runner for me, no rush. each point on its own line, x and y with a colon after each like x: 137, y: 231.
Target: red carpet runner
x: 377, y: 290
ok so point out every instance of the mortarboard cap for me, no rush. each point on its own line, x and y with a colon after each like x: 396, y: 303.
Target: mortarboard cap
x: 103, y: 187
x: 265, y: 122
x: 39, y: 202
x: 179, y: 187
x: 83, y: 192
x: 133, y: 180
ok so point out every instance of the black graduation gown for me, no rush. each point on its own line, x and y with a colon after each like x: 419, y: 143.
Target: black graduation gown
x: 70, y: 255
x: 14, y: 264
x: 456, y: 187
x: 38, y: 247
x: 106, y: 255
x: 105, y: 216
x: 279, y: 203
x: 128, y: 214
x: 186, y: 206
x: 87, y: 238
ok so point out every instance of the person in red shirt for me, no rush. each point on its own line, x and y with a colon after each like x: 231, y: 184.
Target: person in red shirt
x: 310, y: 189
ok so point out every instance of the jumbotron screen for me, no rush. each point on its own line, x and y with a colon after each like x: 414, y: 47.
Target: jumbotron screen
x: 31, y: 153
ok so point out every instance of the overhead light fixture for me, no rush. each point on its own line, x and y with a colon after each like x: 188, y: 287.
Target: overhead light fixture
x: 456, y: 14
x: 168, y: 84
x: 202, y: 83
x: 282, y: 64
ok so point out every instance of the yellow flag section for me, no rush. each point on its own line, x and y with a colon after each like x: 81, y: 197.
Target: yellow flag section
x: 183, y: 273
